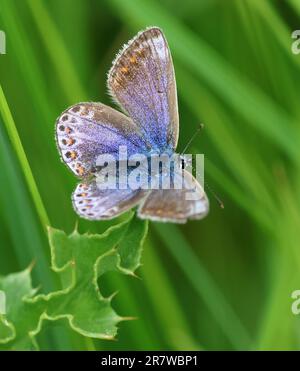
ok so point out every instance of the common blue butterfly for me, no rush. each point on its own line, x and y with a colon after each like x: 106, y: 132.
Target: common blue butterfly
x: 142, y: 82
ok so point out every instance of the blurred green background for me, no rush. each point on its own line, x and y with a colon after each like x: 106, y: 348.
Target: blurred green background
x: 221, y: 283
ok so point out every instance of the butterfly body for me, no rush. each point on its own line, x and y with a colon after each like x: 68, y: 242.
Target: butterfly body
x: 142, y: 82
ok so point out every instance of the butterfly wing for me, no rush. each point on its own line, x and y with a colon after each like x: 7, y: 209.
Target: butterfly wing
x: 86, y: 130
x: 142, y: 81
x: 176, y: 205
x: 91, y: 202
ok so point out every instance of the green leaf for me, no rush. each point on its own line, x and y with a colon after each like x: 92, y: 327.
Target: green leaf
x: 80, y: 260
x: 7, y: 330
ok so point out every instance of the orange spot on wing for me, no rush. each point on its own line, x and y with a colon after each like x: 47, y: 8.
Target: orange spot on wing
x: 70, y: 141
x: 80, y: 170
x: 124, y: 69
x: 73, y: 155
x: 133, y: 59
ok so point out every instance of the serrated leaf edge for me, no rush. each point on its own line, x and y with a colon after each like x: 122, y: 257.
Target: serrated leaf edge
x: 69, y: 317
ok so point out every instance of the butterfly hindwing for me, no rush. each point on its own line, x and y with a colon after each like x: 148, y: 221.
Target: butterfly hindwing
x: 91, y: 202
x: 176, y: 205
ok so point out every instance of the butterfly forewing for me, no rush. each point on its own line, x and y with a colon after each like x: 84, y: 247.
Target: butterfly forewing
x: 142, y: 81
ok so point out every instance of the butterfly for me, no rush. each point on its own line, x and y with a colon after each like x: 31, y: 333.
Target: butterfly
x: 142, y: 82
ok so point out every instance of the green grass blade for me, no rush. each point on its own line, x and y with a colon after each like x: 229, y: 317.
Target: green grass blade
x: 171, y: 317
x: 17, y: 145
x: 55, y: 47
x: 204, y: 286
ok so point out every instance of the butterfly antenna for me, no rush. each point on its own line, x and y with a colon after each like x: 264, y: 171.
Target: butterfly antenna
x: 200, y: 127
x: 217, y: 198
